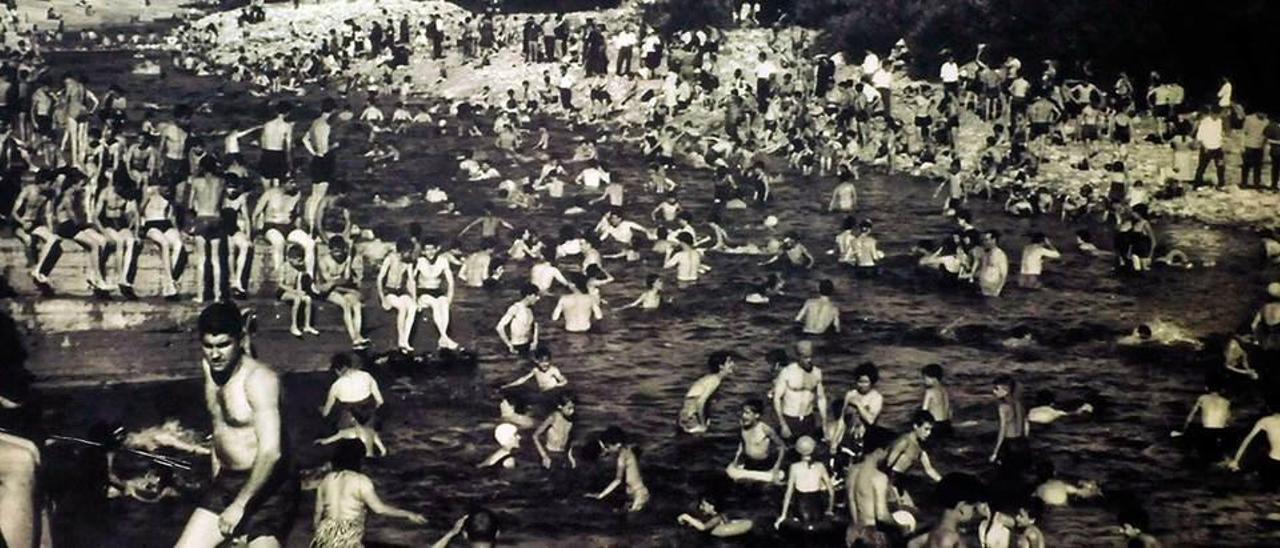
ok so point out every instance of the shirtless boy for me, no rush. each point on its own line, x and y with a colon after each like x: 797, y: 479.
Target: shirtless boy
x: 909, y: 447
x: 867, y: 488
x: 547, y: 376
x: 754, y: 448
x: 578, y: 307
x: 518, y: 328
x: 818, y: 315
x: 557, y: 449
x: 254, y: 492
x: 614, y: 442
x: 693, y: 415
x: 807, y: 481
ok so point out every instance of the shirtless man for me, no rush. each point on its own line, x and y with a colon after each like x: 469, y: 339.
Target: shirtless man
x: 174, y: 167
x: 20, y: 525
x: 797, y: 393
x: 820, y: 316
x: 867, y: 488
x: 909, y: 447
x: 757, y: 437
x: 1270, y: 467
x: 579, y: 308
x: 557, y: 450
x: 318, y: 144
x: 254, y: 492
x: 687, y: 261
x: 434, y: 283
x: 1215, y: 412
x: 693, y: 414
x: 993, y: 265
x: 207, y: 197
x: 277, y: 147
x: 518, y: 328
x: 275, y: 215
x: 844, y: 198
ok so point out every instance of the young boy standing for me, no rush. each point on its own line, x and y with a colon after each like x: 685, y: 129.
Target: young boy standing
x: 518, y: 328
x: 693, y: 417
x: 614, y: 442
x: 806, y: 482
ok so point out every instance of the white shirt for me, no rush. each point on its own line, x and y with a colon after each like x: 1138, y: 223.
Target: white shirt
x: 870, y: 63
x: 766, y: 70
x: 1224, y: 95
x: 1209, y: 133
x: 882, y: 79
x: 950, y: 72
x: 1033, y: 257
x: 625, y: 40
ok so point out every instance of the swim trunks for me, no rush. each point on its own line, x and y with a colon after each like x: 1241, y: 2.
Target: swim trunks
x: 210, y: 227
x: 273, y: 164
x: 323, y: 168
x: 269, y: 514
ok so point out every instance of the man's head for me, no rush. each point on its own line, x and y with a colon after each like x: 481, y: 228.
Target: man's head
x: 481, y: 528
x: 804, y: 353
x: 720, y: 362
x: 922, y: 424
x: 221, y: 327
x: 932, y: 374
x: 751, y: 411
x: 348, y: 454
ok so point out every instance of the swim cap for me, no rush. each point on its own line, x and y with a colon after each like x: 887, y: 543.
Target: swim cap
x: 506, y: 434
x: 805, y: 446
x: 771, y: 221
x: 904, y: 519
x: 1273, y: 289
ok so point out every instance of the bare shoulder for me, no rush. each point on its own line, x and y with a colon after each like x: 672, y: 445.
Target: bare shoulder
x: 262, y: 378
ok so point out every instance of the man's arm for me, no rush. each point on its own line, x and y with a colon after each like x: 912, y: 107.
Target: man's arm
x: 927, y: 465
x: 369, y: 496
x: 821, y: 402
x: 779, y: 386
x: 1234, y: 465
x: 263, y: 392
x: 502, y: 327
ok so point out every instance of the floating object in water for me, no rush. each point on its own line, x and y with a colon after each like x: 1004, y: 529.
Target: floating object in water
x: 146, y: 68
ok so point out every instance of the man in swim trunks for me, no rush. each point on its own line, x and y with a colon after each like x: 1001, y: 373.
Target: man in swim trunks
x: 277, y: 147
x: 318, y: 143
x: 207, y: 195
x: 254, y: 491
x: 797, y: 393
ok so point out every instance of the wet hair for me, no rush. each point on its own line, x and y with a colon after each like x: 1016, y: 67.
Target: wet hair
x: 777, y: 356
x: 875, y: 439
x: 613, y: 435
x: 482, y: 526
x: 849, y: 223
x: 651, y: 279
x: 756, y: 405
x: 1133, y: 515
x: 933, y: 371
x: 220, y: 318
x: 565, y: 398
x: 404, y: 245
x: 922, y: 417
x: 1045, y: 397
x: 516, y: 401
x: 528, y: 289
x: 348, y: 454
x: 957, y: 488
x: 542, y: 353
x: 342, y: 360
x: 717, y: 360
x: 868, y: 370
x: 826, y: 288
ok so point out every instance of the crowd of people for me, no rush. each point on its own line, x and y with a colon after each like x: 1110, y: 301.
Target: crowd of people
x: 79, y: 168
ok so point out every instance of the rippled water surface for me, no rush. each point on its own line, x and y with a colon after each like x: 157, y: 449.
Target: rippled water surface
x: 634, y: 371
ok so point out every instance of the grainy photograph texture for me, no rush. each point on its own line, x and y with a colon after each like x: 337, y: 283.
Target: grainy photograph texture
x: 639, y: 273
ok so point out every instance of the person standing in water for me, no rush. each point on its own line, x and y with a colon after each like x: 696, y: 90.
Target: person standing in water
x: 993, y: 265
x: 344, y: 496
x: 797, y: 393
x: 254, y: 492
x: 1269, y: 468
x: 277, y: 147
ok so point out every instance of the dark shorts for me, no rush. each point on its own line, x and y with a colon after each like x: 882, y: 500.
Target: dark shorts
x: 323, y: 168
x: 162, y: 226
x: 282, y: 228
x: 174, y: 171
x: 810, y: 507
x: 270, y: 514
x: 1039, y: 128
x: 115, y: 223
x: 803, y: 426
x: 273, y: 164
x: 757, y: 465
x: 68, y: 229
x: 210, y: 227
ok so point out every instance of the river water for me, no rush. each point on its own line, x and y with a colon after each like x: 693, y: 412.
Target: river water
x: 634, y: 370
